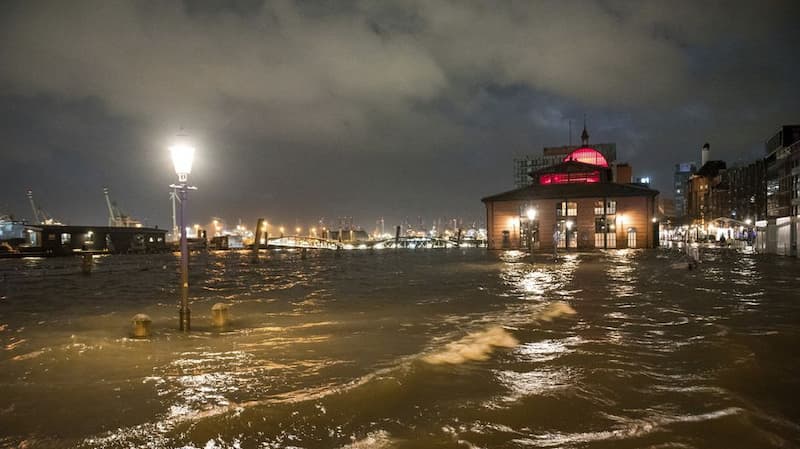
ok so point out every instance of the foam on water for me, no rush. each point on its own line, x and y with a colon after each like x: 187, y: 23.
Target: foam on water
x: 479, y: 345
x: 555, y: 310
x: 374, y: 440
x: 474, y: 346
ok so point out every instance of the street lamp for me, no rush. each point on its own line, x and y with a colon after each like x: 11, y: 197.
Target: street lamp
x: 182, y: 158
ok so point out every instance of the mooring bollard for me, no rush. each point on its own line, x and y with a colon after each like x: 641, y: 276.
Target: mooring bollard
x: 141, y: 326
x: 86, y: 263
x: 220, y: 315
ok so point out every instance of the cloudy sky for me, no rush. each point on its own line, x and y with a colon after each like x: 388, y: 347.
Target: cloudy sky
x: 301, y: 110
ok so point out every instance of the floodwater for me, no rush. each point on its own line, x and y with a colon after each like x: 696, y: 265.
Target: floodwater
x: 404, y: 349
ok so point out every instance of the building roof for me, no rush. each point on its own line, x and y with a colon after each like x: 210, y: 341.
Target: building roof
x: 568, y: 191
x: 711, y: 168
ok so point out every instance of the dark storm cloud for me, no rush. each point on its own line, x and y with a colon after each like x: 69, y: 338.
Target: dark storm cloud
x: 305, y: 109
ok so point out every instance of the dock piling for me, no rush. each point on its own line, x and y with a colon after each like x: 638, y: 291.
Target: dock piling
x: 257, y: 240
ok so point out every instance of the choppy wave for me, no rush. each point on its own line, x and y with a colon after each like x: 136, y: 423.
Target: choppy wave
x: 475, y: 346
x: 631, y: 430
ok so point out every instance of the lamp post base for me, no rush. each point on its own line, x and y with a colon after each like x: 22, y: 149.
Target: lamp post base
x: 185, y: 319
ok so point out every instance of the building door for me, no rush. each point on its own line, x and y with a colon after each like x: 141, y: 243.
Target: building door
x: 530, y: 234
x: 631, y: 238
x: 506, y: 239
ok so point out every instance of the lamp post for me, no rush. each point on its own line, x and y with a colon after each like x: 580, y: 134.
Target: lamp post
x: 182, y: 158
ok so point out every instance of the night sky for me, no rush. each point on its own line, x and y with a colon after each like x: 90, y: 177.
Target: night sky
x: 302, y: 110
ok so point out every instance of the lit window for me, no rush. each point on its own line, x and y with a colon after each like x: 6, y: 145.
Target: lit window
x: 570, y: 178
x: 567, y: 209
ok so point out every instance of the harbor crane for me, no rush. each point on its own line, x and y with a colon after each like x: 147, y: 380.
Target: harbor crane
x: 39, y: 215
x: 116, y: 217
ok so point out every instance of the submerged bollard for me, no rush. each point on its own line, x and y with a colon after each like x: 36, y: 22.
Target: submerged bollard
x: 87, y: 263
x: 141, y: 326
x: 220, y: 315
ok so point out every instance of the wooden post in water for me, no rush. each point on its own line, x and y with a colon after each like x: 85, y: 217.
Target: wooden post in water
x: 257, y: 241
x: 458, y: 238
x: 397, y: 237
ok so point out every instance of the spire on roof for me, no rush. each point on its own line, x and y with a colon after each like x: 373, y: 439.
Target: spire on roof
x: 584, y: 134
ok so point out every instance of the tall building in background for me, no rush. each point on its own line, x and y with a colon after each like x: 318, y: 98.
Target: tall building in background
x: 683, y: 172
x: 782, y: 159
x: 748, y: 191
x: 707, y: 194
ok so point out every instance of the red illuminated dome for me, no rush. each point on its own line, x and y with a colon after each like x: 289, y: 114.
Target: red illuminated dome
x: 587, y: 156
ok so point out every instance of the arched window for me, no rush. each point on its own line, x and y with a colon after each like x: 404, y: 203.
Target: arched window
x: 587, y: 156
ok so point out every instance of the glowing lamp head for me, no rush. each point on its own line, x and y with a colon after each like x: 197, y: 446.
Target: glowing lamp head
x: 182, y: 158
x: 569, y: 224
x: 748, y: 222
x: 531, y: 213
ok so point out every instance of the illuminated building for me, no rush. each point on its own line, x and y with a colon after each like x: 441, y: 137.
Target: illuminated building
x: 553, y: 155
x: 573, y: 204
x: 707, y: 193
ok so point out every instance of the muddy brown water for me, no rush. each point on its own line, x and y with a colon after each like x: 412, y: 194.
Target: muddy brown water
x: 404, y: 349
